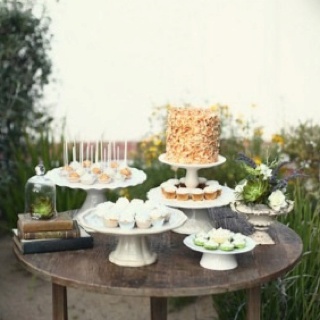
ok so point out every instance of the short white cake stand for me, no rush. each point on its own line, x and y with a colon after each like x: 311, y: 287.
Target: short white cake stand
x: 132, y: 249
x: 218, y: 259
x: 192, y: 179
x: 96, y: 192
x: 196, y: 211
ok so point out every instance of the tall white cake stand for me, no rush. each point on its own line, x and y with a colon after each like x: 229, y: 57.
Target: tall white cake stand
x: 196, y: 211
x: 96, y: 193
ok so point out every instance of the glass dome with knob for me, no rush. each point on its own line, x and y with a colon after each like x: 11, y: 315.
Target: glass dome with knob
x: 40, y: 195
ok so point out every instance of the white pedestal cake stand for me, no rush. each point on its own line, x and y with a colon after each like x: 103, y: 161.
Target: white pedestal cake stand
x: 218, y: 259
x: 96, y: 192
x: 196, y: 211
x: 132, y: 249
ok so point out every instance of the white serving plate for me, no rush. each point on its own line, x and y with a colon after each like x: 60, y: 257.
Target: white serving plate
x: 218, y: 259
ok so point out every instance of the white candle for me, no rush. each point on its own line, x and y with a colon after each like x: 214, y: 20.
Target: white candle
x: 125, y: 152
x: 91, y: 153
x: 97, y: 152
x: 87, y: 151
x: 74, y: 153
x: 81, y: 152
x: 65, y: 153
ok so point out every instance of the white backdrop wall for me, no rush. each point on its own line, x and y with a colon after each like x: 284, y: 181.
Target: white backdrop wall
x: 114, y: 60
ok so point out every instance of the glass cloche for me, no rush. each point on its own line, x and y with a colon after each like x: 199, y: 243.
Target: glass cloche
x: 40, y: 195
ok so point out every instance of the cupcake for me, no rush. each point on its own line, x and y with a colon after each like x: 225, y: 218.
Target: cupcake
x: 182, y: 194
x: 65, y: 171
x: 96, y: 168
x: 125, y: 172
x: 239, y: 243
x: 173, y: 181
x: 197, y: 194
x: 111, y: 219
x: 73, y: 177
x: 163, y: 186
x: 157, y: 218
x: 104, y: 178
x: 86, y: 163
x: 211, y: 245
x: 170, y: 192
x: 143, y: 220
x: 126, y: 220
x: 210, y: 192
x: 87, y: 178
x: 200, y: 238
x: 226, y: 246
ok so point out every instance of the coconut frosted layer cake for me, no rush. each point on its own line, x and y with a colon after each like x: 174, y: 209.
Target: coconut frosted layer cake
x: 192, y: 135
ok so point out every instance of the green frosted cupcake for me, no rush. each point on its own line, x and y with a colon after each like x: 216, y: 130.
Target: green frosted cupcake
x: 239, y: 243
x: 211, y: 245
x: 226, y: 246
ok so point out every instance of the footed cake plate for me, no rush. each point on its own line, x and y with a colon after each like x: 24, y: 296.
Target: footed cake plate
x: 96, y: 192
x: 132, y: 249
x: 218, y: 259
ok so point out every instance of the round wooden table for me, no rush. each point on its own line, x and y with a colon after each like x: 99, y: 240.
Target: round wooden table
x: 177, y: 271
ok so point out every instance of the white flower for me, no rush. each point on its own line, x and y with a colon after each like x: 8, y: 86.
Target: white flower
x: 239, y: 189
x: 277, y: 200
x: 265, y: 171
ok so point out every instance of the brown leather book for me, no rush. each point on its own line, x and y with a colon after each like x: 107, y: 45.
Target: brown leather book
x: 49, y: 234
x: 62, y: 221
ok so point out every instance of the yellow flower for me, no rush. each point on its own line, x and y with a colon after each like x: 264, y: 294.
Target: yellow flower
x: 277, y: 138
x: 257, y: 160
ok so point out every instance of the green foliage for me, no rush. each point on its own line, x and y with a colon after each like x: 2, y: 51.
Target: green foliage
x: 24, y: 71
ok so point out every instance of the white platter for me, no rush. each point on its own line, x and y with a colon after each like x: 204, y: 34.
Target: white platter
x: 91, y: 220
x: 218, y: 259
x: 227, y: 196
x: 138, y: 176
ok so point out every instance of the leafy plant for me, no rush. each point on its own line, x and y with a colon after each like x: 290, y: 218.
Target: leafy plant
x: 24, y: 71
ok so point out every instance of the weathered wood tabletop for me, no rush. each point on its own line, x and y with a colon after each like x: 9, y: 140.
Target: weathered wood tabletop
x: 176, y: 272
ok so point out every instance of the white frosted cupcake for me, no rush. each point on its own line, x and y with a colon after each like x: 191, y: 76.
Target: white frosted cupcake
x: 73, y: 177
x: 143, y: 220
x: 126, y: 220
x: 170, y: 192
x: 210, y: 192
x: 104, y: 178
x: 197, y: 194
x: 111, y: 219
x: 87, y: 178
x: 182, y: 194
x: 157, y: 218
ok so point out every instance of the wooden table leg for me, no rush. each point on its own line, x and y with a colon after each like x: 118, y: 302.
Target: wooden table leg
x: 158, y: 308
x: 254, y: 303
x: 59, y: 302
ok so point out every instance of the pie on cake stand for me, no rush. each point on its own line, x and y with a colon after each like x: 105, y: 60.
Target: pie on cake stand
x: 196, y: 211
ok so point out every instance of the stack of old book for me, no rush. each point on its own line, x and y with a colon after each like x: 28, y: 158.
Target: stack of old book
x: 60, y: 233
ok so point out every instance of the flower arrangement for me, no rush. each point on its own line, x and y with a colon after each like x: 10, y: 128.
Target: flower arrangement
x: 264, y: 184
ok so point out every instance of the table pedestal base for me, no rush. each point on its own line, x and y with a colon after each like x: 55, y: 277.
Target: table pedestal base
x: 218, y: 261
x: 132, y: 251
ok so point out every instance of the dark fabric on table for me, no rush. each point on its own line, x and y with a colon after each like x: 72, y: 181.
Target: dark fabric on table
x: 225, y: 217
